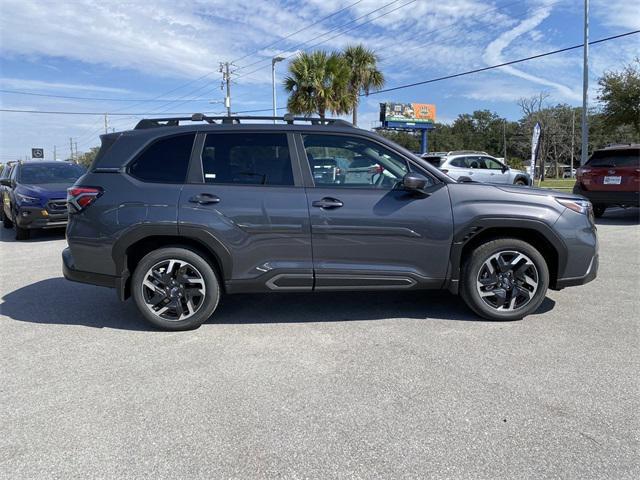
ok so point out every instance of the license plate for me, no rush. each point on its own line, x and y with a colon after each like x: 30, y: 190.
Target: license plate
x: 612, y: 180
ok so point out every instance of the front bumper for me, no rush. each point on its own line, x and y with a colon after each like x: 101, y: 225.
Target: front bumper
x: 628, y: 199
x: 592, y: 273
x: 38, y: 217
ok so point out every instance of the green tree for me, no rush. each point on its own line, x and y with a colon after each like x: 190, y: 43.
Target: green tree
x: 86, y: 158
x: 364, y: 74
x: 620, y: 95
x: 317, y: 83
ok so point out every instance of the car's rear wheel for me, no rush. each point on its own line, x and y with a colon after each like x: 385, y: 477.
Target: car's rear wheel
x: 175, y: 288
x: 504, y: 279
x: 598, y: 210
x: 520, y: 181
x: 22, y: 233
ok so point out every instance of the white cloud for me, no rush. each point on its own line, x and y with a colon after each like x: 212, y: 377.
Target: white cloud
x: 493, y: 53
x: 21, y: 83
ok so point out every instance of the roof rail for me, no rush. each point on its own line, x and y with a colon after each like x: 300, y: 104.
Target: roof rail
x: 466, y: 152
x: 234, y: 119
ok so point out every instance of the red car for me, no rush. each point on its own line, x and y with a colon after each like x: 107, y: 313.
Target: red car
x: 611, y: 177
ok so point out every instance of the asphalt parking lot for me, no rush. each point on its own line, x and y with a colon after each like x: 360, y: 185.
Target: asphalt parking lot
x: 349, y: 385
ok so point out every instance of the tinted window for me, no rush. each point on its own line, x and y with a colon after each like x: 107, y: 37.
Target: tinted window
x: 343, y: 161
x: 615, y: 158
x: 458, y: 162
x: 433, y: 160
x: 33, y: 174
x: 247, y: 159
x: 165, y: 161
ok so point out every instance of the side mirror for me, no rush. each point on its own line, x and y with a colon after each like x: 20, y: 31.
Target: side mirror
x: 464, y: 179
x: 505, y: 169
x: 414, y: 182
x: 5, y: 182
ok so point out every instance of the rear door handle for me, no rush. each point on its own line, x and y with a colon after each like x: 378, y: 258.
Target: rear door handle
x: 327, y: 202
x: 205, y: 199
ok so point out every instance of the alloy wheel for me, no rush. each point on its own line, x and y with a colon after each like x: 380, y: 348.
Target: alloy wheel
x: 507, y: 280
x: 173, y: 290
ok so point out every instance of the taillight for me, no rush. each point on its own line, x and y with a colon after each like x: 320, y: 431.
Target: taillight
x: 80, y: 198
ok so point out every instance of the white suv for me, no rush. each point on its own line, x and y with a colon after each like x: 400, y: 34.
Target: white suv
x: 478, y: 166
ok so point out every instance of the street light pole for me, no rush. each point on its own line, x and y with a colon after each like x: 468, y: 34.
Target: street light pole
x: 274, y: 60
x: 585, y: 87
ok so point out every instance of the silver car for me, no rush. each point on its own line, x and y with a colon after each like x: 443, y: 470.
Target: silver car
x: 478, y: 166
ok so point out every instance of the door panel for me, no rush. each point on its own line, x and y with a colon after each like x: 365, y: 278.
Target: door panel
x: 252, y: 205
x: 366, y: 232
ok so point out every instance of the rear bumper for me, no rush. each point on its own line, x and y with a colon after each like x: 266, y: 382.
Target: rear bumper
x: 631, y: 199
x: 37, y: 217
x: 71, y: 273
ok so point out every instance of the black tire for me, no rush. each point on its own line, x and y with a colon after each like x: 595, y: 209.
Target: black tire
x: 22, y: 233
x: 6, y: 222
x: 212, y: 288
x: 472, y: 269
x: 520, y: 181
x: 598, y: 210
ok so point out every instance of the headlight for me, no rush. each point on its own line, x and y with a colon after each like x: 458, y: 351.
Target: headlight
x: 26, y: 198
x: 580, y: 206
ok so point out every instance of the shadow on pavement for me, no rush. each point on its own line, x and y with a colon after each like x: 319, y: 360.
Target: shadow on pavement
x: 58, y: 301
x: 620, y: 216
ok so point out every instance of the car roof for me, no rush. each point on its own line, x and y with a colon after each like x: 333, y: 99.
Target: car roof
x: 620, y: 146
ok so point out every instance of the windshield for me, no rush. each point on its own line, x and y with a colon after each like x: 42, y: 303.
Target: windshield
x: 40, y: 174
x: 615, y: 158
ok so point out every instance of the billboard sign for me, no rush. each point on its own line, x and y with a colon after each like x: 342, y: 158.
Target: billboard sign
x: 408, y: 112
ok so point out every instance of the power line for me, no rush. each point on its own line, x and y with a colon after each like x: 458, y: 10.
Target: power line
x: 330, y: 31
x: 399, y: 87
x: 298, y: 31
x: 491, y: 67
x: 18, y: 92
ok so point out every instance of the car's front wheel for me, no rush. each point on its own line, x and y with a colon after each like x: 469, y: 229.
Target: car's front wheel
x: 175, y: 288
x: 504, y: 279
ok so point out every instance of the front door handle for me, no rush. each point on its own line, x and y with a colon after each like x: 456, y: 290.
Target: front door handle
x: 327, y: 202
x: 205, y: 199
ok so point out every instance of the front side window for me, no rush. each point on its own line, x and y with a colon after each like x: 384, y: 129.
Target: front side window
x: 49, y: 173
x: 351, y: 162
x: 247, y: 159
x: 492, y: 164
x: 164, y: 161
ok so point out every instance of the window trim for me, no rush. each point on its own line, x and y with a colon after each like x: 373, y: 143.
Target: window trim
x: 129, y: 164
x: 308, y: 175
x: 195, y: 174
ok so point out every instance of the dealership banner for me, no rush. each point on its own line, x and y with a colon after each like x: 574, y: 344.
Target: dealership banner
x: 535, y: 146
x: 408, y: 112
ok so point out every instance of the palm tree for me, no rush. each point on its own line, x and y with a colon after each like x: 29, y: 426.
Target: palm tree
x: 318, y: 82
x: 363, y: 74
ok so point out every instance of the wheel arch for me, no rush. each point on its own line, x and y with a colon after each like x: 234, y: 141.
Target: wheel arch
x: 130, y: 250
x: 536, y: 233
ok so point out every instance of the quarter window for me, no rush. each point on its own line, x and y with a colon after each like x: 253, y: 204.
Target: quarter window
x: 247, y: 159
x: 350, y: 162
x: 165, y: 161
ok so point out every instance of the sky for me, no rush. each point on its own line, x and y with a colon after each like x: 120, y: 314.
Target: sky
x: 139, y: 59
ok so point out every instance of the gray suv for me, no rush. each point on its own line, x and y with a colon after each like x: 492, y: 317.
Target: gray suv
x: 178, y: 215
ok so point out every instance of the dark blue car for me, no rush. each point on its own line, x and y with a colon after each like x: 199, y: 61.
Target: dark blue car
x: 35, y: 195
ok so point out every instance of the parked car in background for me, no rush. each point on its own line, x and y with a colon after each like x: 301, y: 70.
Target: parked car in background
x: 611, y: 177
x: 35, y: 195
x: 5, y: 172
x: 176, y: 216
x: 478, y: 166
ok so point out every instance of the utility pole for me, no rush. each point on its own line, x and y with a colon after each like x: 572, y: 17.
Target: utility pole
x: 504, y: 140
x: 54, y: 154
x: 71, y: 147
x: 106, y: 123
x: 585, y: 87
x: 274, y: 60
x: 573, y: 137
x: 226, y: 81
x: 76, y: 144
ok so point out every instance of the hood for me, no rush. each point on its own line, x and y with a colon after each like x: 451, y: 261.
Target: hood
x: 536, y: 191
x: 44, y: 192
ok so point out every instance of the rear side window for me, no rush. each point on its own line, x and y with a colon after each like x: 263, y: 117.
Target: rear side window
x: 247, y: 159
x: 615, y: 158
x: 165, y: 161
